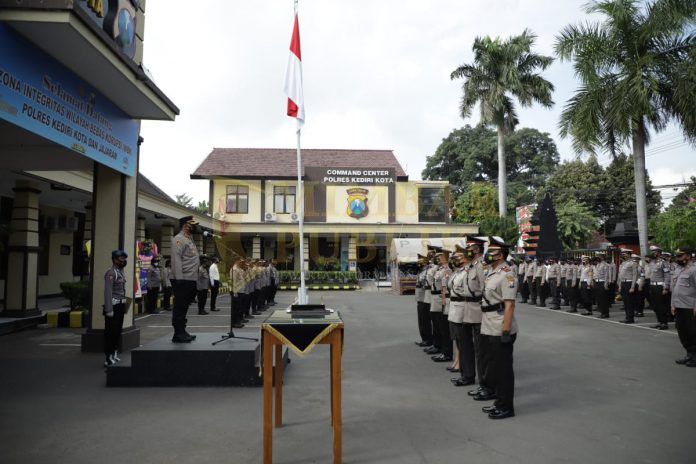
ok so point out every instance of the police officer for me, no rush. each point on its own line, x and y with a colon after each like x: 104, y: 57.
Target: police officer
x: 571, y: 282
x: 428, y: 298
x: 540, y: 282
x: 600, y: 284
x: 114, y: 305
x: 659, y: 273
x: 522, y: 281
x: 425, y: 327
x: 154, y: 281
x: 553, y: 276
x: 456, y: 309
x: 167, y: 285
x: 628, y: 281
x: 437, y: 306
x: 684, y: 303
x: 586, y: 285
x: 203, y: 284
x: 185, y: 264
x: 500, y: 329
x: 529, y: 277
x: 562, y: 285
x: 214, y: 274
x: 274, y: 281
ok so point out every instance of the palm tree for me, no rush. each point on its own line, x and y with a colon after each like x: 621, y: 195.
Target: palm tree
x: 501, y: 71
x: 637, y: 73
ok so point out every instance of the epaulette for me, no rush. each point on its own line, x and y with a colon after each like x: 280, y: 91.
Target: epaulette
x: 506, y: 269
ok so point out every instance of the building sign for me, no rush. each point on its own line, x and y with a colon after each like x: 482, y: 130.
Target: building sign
x: 523, y: 215
x: 40, y: 95
x: 350, y: 176
x: 357, y: 203
x: 118, y: 18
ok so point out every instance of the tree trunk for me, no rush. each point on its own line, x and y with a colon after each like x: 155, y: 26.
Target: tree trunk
x: 502, y: 177
x: 639, y: 173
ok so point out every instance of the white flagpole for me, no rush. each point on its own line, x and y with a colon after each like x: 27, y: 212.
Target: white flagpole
x: 300, y: 197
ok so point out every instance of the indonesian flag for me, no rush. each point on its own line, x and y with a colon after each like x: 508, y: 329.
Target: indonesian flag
x: 293, y: 77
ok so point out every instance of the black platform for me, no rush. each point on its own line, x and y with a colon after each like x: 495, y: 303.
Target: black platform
x: 199, y: 363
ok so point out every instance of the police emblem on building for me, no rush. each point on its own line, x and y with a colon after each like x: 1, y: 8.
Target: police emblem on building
x: 357, y: 203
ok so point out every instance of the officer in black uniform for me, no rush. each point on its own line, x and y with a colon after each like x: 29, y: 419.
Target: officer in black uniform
x: 114, y: 305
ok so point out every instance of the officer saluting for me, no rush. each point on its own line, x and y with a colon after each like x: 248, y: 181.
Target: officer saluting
x: 684, y: 303
x: 425, y: 326
x: 185, y: 263
x: 500, y: 329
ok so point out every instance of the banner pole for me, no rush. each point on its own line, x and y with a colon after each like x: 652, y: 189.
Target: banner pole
x: 300, y: 202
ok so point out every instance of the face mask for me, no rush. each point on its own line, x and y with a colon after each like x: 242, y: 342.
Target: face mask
x: 491, y: 258
x: 122, y: 264
x: 469, y: 254
x: 681, y: 262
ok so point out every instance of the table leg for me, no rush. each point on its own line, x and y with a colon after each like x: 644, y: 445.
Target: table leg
x: 267, y: 351
x: 278, y: 385
x: 336, y: 395
x: 331, y: 387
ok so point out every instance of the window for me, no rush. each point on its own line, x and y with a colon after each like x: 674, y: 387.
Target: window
x: 237, y: 199
x: 283, y: 199
x: 431, y: 204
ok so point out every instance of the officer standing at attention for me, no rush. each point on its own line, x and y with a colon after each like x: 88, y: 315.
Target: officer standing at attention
x: 167, y: 285
x: 531, y: 284
x: 154, y: 281
x: 553, y: 276
x: 425, y: 328
x: 500, y: 329
x: 214, y: 274
x: 659, y: 272
x: 642, y: 290
x: 238, y: 280
x: 185, y: 263
x: 203, y: 284
x: 540, y: 282
x: 562, y: 284
x: 521, y: 280
x: 114, y: 305
x: 572, y: 278
x: 437, y: 306
x: 456, y: 310
x: 428, y: 299
x: 684, y: 303
x: 601, y: 277
x: 586, y: 285
x: 628, y: 281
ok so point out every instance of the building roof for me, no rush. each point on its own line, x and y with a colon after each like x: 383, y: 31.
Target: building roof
x: 282, y: 162
x: 145, y: 185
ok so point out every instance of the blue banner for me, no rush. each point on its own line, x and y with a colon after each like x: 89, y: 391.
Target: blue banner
x: 42, y: 96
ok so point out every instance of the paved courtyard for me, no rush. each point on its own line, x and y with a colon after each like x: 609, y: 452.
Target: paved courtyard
x: 588, y: 391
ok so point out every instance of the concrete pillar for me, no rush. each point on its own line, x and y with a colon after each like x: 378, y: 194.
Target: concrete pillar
x: 140, y: 234
x: 352, y: 253
x: 21, y: 284
x: 166, y: 245
x: 256, y: 248
x: 114, y: 206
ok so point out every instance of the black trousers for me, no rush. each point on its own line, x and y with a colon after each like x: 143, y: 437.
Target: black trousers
x: 240, y: 307
x: 214, y: 291
x: 644, y: 296
x: 112, y: 329
x: 501, y: 372
x: 630, y: 300
x: 485, y: 379
x: 572, y: 295
x: 444, y: 334
x: 563, y: 290
x: 533, y: 289
x: 437, y: 338
x: 686, y: 328
x: 202, y: 296
x: 541, y: 290
x: 602, y: 298
x: 184, y: 292
x: 524, y: 288
x: 555, y: 295
x: 255, y: 300
x: 425, y: 325
x: 659, y: 303
x: 167, y: 298
x: 457, y: 335
x: 151, y: 299
x: 586, y: 296
x: 274, y: 289
x: 472, y: 357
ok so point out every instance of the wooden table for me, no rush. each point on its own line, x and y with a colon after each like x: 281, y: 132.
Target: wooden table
x: 272, y: 341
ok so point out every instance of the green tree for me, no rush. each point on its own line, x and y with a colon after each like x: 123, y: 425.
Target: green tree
x: 504, y: 227
x: 477, y: 203
x: 501, y: 72
x: 202, y: 207
x: 184, y: 199
x: 637, y: 72
x: 685, y: 197
x: 578, y: 180
x: 470, y: 154
x: 576, y: 224
x: 675, y: 227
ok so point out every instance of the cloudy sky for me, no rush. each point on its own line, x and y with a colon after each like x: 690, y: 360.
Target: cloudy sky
x: 376, y: 75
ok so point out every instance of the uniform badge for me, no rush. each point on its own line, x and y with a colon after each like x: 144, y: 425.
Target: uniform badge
x: 357, y: 203
x: 511, y: 281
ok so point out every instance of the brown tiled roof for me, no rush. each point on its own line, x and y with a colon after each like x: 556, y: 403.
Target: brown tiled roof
x: 282, y: 162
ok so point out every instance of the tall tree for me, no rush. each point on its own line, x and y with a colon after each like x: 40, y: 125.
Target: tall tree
x: 637, y: 72
x: 501, y: 72
x: 576, y: 224
x: 686, y: 196
x: 469, y: 154
x: 184, y: 199
x: 476, y: 203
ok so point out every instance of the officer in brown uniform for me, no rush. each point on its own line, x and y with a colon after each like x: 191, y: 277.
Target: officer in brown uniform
x: 659, y: 273
x: 628, y: 281
x: 684, y: 303
x: 522, y: 281
x: 433, y: 264
x: 425, y: 327
x: 437, y: 306
x: 540, y: 282
x: 571, y: 281
x: 185, y: 263
x: 500, y: 329
x: 529, y: 278
x: 600, y: 284
x: 455, y: 316
x: 585, y: 272
x: 553, y: 277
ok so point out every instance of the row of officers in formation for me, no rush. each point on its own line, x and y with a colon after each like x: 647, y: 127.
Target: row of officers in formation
x: 466, y: 302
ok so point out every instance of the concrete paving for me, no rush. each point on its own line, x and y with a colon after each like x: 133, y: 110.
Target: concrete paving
x: 588, y: 391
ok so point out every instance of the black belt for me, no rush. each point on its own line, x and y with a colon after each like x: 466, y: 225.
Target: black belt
x: 436, y: 292
x: 495, y: 307
x: 469, y: 299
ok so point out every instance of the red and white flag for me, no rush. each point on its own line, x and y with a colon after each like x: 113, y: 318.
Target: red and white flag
x: 293, y: 77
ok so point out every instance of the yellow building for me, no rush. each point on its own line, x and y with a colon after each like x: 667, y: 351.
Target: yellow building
x: 356, y: 202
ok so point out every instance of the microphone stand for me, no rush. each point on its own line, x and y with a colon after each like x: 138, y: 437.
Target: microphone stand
x: 230, y: 335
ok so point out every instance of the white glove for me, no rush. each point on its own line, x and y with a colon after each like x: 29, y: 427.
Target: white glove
x: 111, y: 314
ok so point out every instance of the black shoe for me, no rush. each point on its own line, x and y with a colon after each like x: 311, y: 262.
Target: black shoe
x: 627, y: 321
x: 250, y: 316
x: 683, y: 360
x: 485, y: 397
x: 452, y: 369
x: 420, y: 344
x: 603, y: 316
x: 572, y: 311
x: 431, y: 350
x: 463, y: 382
x: 215, y: 310
x: 661, y: 326
x: 203, y: 313
x: 541, y: 306
x: 237, y: 325
x: 181, y: 339
x: 256, y: 313
x: 155, y: 312
x: 690, y: 363
x: 555, y: 308
x: 477, y: 391
x: 499, y: 414
x: 442, y: 359
x: 640, y: 315
x: 489, y: 409
x: 587, y: 313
